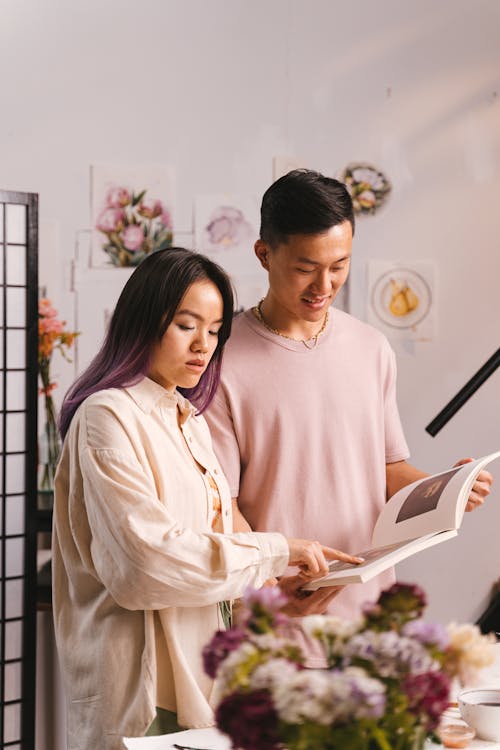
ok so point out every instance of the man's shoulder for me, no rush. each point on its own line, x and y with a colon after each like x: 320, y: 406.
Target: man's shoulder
x: 242, y: 331
x: 358, y: 330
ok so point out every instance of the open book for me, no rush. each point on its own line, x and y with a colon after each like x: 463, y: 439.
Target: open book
x: 420, y: 515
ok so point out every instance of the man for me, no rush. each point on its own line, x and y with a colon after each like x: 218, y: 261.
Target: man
x: 305, y: 421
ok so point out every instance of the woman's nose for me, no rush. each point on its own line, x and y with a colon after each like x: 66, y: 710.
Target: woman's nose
x: 200, y: 344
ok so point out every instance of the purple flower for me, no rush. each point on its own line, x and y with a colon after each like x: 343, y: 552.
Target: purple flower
x: 133, y: 237
x: 110, y: 220
x: 263, y: 609
x: 427, y: 633
x: 268, y: 597
x: 428, y: 696
x: 250, y: 719
x: 222, y: 643
x: 228, y: 227
x: 118, y: 197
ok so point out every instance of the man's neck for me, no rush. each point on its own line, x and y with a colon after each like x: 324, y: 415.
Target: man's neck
x: 281, y: 322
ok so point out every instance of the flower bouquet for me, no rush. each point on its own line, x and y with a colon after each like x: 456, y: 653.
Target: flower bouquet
x: 386, y: 686
x: 51, y: 335
x: 134, y: 226
x: 368, y: 187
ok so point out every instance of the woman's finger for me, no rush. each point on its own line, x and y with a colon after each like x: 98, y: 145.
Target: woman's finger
x: 335, y: 554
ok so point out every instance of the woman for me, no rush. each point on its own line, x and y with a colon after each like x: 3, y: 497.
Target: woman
x: 143, y: 549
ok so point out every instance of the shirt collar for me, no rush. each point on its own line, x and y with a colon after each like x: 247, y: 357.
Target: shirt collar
x: 148, y: 395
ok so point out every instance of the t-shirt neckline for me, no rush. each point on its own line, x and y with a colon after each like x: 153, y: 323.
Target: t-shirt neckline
x: 285, y: 343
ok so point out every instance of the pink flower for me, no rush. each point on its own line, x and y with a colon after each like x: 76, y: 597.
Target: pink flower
x: 45, y: 308
x: 133, y: 237
x: 110, y: 220
x: 150, y: 208
x: 118, y: 197
x: 166, y: 218
x: 50, y: 325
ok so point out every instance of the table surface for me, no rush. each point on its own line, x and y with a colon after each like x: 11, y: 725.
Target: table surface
x: 211, y: 739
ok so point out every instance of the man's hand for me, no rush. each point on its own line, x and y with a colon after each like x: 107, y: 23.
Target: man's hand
x: 302, y: 603
x: 481, y: 488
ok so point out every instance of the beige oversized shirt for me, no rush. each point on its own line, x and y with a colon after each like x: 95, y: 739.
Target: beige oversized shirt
x: 137, y: 570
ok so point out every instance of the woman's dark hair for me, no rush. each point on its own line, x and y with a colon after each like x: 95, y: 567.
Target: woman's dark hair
x: 303, y: 202
x: 144, y: 310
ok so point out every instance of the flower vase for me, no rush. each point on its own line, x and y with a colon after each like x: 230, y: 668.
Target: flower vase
x: 49, y: 446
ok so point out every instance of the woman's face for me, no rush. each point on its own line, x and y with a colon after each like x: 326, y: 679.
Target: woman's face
x: 183, y: 354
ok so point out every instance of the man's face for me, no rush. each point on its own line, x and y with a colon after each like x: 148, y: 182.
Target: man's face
x: 307, y: 271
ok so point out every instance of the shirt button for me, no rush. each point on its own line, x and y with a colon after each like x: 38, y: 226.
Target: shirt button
x: 226, y: 512
x: 190, y: 439
x: 215, y: 471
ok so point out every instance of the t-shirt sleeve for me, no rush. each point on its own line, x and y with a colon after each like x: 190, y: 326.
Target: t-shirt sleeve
x: 225, y: 443
x: 396, y: 448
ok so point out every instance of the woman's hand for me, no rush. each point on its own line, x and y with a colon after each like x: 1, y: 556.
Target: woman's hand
x: 312, y: 557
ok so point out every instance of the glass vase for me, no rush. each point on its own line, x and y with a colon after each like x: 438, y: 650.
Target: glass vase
x: 49, y: 446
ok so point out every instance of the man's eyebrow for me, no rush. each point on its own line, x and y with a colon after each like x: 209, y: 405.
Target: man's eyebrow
x: 186, y: 311
x: 316, y: 263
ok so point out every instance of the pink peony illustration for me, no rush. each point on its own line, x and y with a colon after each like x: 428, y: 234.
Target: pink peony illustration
x: 133, y: 237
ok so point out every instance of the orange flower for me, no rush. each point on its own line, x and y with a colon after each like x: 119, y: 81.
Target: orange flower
x: 51, y: 335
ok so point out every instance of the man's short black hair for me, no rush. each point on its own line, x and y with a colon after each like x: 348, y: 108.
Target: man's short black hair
x: 303, y: 202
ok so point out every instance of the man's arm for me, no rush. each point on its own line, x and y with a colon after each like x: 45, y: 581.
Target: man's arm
x: 240, y: 523
x: 400, y: 473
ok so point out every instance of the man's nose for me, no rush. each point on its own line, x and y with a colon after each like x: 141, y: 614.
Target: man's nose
x: 322, y: 283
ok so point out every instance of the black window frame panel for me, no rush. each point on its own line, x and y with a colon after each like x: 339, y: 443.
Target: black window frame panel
x: 26, y: 701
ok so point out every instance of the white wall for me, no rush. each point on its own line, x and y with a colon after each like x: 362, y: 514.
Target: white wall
x: 216, y: 88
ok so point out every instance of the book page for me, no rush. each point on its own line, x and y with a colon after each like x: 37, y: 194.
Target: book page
x: 376, y: 561
x: 430, y: 505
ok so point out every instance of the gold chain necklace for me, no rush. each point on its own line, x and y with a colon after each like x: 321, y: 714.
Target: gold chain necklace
x: 314, y: 339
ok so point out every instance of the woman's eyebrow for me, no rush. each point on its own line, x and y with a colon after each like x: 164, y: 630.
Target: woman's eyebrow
x: 196, y: 315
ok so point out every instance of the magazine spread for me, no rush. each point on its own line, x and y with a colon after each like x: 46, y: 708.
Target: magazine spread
x: 420, y: 515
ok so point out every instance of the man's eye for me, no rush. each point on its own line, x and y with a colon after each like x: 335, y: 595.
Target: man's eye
x: 303, y: 270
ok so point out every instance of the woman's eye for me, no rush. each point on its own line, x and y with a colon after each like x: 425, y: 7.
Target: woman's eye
x: 185, y: 328
x: 214, y: 333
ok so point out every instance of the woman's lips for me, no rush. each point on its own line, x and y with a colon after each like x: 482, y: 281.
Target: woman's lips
x: 196, y: 365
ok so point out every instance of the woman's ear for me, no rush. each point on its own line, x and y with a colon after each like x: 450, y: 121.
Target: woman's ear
x: 262, y: 252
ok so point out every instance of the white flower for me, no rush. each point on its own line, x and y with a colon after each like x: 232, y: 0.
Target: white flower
x: 307, y: 696
x: 470, y: 650
x: 269, y: 642
x: 235, y: 669
x: 370, y: 176
x: 329, y: 625
x: 390, y: 654
x: 272, y: 674
x: 326, y: 697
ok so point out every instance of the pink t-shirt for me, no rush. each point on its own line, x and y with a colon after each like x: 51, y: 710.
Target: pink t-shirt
x: 304, y: 435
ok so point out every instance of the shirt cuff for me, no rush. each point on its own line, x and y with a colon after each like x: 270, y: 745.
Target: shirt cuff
x: 274, y: 548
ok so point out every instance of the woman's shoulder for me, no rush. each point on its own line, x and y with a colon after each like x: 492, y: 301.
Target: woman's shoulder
x: 109, y: 398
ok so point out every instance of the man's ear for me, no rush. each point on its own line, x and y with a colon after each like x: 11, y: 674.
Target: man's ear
x: 262, y: 252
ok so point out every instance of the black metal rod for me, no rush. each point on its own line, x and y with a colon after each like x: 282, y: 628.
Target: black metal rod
x: 464, y: 394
